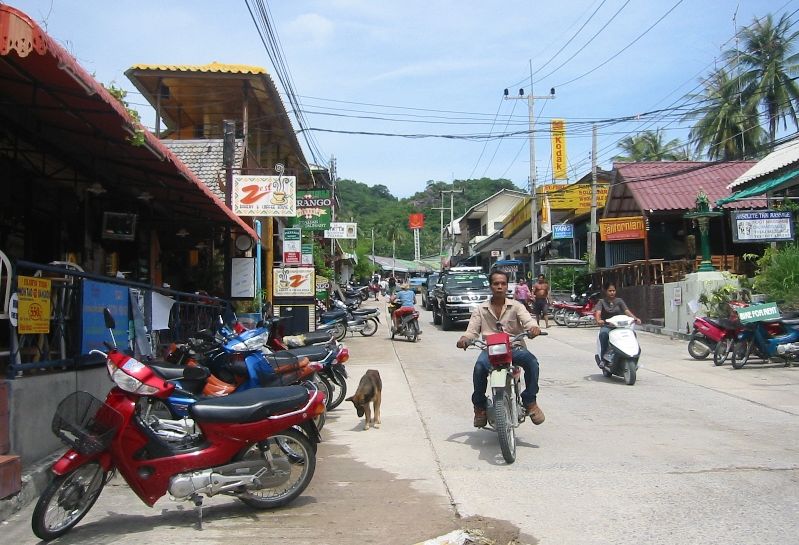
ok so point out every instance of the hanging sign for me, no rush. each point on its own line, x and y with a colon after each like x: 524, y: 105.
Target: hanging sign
x: 294, y: 282
x: 558, y: 129
x: 34, y: 304
x: 758, y: 313
x: 762, y: 226
x: 264, y: 196
x: 313, y: 210
x: 307, y: 254
x: 342, y: 230
x: 292, y: 246
x: 627, y: 228
x: 562, y: 231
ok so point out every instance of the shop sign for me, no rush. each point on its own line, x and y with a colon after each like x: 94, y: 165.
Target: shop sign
x: 34, y: 304
x: 294, y: 282
x: 307, y: 254
x: 762, y: 226
x: 273, y: 196
x: 558, y: 130
x: 313, y: 210
x: 562, y: 231
x: 292, y: 246
x: 517, y: 218
x: 758, y: 313
x: 575, y: 197
x: 627, y: 228
x: 342, y: 230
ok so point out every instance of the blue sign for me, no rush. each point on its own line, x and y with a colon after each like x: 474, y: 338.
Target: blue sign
x: 96, y: 297
x: 562, y: 230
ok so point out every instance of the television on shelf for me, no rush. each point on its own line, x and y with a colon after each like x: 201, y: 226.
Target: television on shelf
x: 119, y: 226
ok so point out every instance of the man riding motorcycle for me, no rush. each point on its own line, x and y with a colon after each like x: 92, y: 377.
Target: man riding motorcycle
x: 406, y: 298
x: 514, y: 319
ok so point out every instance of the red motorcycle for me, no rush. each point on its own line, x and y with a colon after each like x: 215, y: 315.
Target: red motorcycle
x: 715, y: 336
x: 574, y: 315
x: 258, y: 446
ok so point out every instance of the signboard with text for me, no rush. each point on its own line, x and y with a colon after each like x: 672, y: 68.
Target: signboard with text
x: 294, y: 282
x: 626, y: 228
x: 274, y: 196
x: 574, y: 196
x: 313, y: 210
x: 562, y: 230
x: 292, y: 246
x: 416, y: 221
x: 558, y: 130
x: 342, y: 230
x: 762, y: 226
x: 758, y: 313
x: 34, y: 305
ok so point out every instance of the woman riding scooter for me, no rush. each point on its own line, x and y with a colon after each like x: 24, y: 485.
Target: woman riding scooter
x: 605, y: 308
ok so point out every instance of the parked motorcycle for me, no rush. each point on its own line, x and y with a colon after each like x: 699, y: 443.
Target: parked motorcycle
x: 623, y: 351
x: 581, y: 314
x: 505, y: 409
x: 408, y: 323
x: 770, y: 339
x: 247, y: 447
x: 712, y: 336
x: 364, y: 321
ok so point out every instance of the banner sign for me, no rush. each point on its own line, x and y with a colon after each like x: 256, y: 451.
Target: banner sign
x: 313, y: 210
x: 416, y: 221
x: 558, y: 129
x: 96, y: 297
x: 562, y: 230
x: 292, y: 246
x: 33, y: 305
x: 264, y: 196
x: 575, y: 197
x: 762, y: 226
x: 627, y: 228
x: 517, y: 218
x: 294, y: 282
x: 758, y: 313
x: 342, y: 230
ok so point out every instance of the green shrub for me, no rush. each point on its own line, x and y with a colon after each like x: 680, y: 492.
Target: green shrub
x: 778, y: 276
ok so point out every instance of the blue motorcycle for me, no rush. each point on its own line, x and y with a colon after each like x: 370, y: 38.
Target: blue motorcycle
x: 769, y: 339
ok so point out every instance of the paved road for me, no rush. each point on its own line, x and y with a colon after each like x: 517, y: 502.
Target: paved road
x: 691, y: 454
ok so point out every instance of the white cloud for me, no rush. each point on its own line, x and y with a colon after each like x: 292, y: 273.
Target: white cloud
x: 311, y: 28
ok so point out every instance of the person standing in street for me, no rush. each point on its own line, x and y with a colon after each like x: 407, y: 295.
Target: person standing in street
x: 541, y: 301
x: 522, y: 293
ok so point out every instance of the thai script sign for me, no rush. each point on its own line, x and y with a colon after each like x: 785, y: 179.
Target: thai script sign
x: 34, y: 304
x: 762, y: 226
x: 558, y: 129
x: 264, y: 196
x: 342, y: 230
x: 562, y: 230
x: 758, y: 313
x: 574, y: 196
x: 416, y: 221
x: 313, y: 210
x: 294, y: 282
x: 627, y: 228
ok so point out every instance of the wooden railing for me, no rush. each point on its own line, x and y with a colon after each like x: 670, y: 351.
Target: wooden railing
x: 660, y: 271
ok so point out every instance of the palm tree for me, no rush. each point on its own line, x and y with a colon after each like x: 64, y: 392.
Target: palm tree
x: 769, y: 62
x: 650, y: 146
x: 727, y: 128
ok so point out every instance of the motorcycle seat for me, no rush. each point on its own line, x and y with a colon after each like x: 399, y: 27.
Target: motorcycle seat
x: 316, y: 337
x: 250, y: 405
x: 333, y: 314
x: 364, y: 311
x: 167, y: 371
x: 281, y: 358
x: 313, y: 353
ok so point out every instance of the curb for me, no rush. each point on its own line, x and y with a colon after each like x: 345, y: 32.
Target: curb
x: 34, y: 480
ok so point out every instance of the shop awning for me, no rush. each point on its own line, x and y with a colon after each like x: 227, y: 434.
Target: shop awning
x: 760, y: 188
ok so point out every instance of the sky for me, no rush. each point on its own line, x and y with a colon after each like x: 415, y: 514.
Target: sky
x: 404, y: 92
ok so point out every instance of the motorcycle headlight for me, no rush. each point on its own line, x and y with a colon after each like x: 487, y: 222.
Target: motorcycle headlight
x: 130, y: 384
x: 497, y: 349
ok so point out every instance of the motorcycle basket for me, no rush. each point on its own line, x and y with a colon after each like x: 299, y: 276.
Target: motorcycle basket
x: 85, y: 423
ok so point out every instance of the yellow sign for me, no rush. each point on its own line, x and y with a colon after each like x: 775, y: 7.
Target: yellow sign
x: 558, y: 129
x: 518, y: 217
x: 627, y: 228
x: 575, y: 197
x: 34, y: 304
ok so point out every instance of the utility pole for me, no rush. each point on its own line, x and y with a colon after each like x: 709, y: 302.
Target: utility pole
x: 592, y: 225
x: 451, y: 217
x: 533, y: 180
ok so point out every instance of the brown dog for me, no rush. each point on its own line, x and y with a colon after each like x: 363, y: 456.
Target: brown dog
x: 369, y: 390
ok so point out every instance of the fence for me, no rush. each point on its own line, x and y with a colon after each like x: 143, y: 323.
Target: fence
x: 72, y: 309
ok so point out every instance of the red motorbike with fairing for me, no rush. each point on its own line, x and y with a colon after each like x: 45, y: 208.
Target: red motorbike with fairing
x: 258, y: 446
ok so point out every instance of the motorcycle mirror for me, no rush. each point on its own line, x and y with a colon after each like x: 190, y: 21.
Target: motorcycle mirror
x: 109, y: 320
x: 574, y: 296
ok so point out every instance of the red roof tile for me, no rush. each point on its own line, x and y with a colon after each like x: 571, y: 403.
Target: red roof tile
x: 674, y: 185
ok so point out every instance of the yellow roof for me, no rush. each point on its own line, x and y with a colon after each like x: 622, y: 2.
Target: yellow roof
x: 216, y: 67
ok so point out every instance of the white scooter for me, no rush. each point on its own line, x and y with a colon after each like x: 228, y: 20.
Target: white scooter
x: 621, y: 356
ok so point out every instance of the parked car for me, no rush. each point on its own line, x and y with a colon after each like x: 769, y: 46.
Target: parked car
x: 457, y: 294
x: 428, y: 286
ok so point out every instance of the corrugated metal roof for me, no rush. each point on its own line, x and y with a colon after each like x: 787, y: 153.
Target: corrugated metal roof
x: 673, y: 185
x: 781, y: 157
x: 211, y: 67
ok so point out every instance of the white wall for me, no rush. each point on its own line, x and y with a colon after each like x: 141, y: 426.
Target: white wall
x: 679, y: 318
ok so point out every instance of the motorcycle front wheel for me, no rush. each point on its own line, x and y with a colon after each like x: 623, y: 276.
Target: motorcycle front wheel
x: 699, y: 347
x: 339, y: 331
x: 741, y: 352
x: 369, y: 327
x: 504, y: 425
x: 339, y: 393
x: 559, y: 317
x: 630, y: 368
x: 722, y: 351
x: 67, y: 500
x: 290, y: 463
